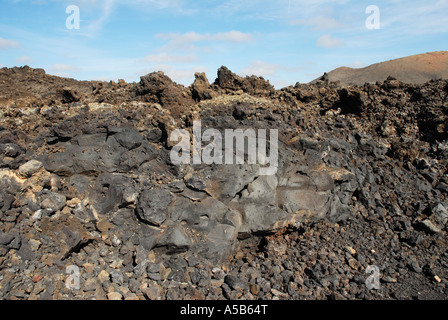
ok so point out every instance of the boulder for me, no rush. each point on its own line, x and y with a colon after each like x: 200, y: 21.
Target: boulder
x: 253, y: 85
x: 54, y: 201
x: 158, y: 87
x: 152, y: 205
x: 28, y: 169
x: 108, y: 193
x: 201, y: 89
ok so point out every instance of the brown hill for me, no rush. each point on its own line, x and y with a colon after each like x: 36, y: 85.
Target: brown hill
x: 416, y: 69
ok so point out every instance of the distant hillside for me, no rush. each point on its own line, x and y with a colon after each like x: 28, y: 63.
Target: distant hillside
x: 416, y: 69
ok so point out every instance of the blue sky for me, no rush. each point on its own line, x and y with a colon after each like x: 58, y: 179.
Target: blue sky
x: 285, y: 41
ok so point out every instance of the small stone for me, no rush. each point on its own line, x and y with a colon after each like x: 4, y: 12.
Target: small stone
x: 218, y: 273
x: 12, y: 150
x: 134, y: 285
x: 236, y: 283
x: 89, y: 285
x: 34, y: 244
x: 31, y: 167
x: 354, y: 264
x: 415, y: 266
x: 154, y: 267
x: 37, y: 215
x: 152, y: 257
x: 350, y: 250
x: 140, y: 269
x: 278, y: 293
x: 37, y: 278
x: 104, y: 276
x: 54, y: 201
x: 428, y: 226
x: 72, y: 203
x: 265, y: 285
x: 88, y: 267
x: 114, y: 296
x: 104, y: 225
x: 216, y: 283
x: 254, y: 288
x: 115, y: 241
x: 117, y: 277
x: 140, y: 254
x: 153, y: 292
x: 117, y: 264
x: 66, y: 210
x: 48, y: 261
x: 388, y: 279
x: 130, y: 296
x: 440, y: 215
x: 154, y: 276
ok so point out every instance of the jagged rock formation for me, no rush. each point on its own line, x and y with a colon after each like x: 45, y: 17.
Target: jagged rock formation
x: 85, y: 171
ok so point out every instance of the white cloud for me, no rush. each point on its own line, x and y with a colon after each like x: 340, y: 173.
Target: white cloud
x: 192, y: 37
x: 421, y: 18
x: 260, y: 68
x: 189, y: 41
x: 275, y: 73
x: 62, y: 67
x: 175, y: 6
x: 231, y: 36
x: 319, y: 23
x: 24, y: 60
x: 98, y: 24
x: 6, y: 44
x: 168, y: 58
x: 63, y: 70
x: 327, y: 41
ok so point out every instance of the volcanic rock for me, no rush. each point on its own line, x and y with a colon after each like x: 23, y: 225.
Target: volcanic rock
x: 87, y: 181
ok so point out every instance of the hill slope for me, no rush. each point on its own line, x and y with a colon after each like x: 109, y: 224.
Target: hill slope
x: 416, y: 69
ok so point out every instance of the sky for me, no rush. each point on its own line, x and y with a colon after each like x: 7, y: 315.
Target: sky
x: 284, y: 41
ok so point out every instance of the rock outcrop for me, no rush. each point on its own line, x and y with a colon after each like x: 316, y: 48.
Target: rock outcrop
x: 86, y: 179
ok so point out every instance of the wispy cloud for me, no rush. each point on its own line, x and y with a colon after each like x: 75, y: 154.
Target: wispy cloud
x: 319, y: 22
x: 96, y: 25
x: 190, y: 41
x: 170, y: 58
x: 24, y: 60
x: 274, y: 72
x: 63, y: 70
x: 7, y: 44
x: 260, y: 68
x: 177, y: 6
x: 263, y: 37
x: 327, y: 41
x: 420, y: 18
x: 192, y: 37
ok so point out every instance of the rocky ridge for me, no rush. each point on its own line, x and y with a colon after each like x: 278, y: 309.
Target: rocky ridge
x: 87, y: 181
